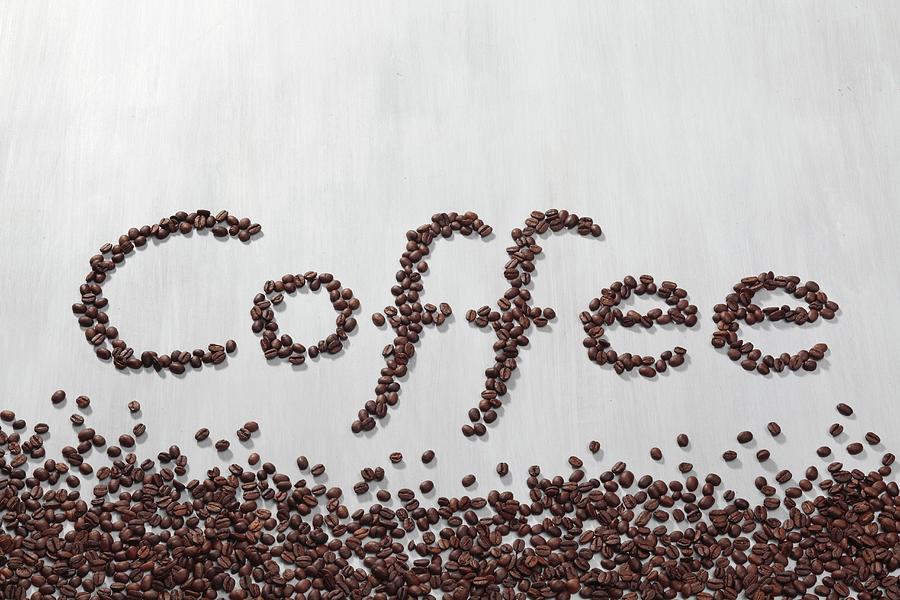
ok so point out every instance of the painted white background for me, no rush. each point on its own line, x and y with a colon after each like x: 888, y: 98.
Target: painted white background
x: 710, y: 141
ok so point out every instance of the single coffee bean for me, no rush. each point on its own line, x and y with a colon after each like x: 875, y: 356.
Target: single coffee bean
x: 201, y: 434
x: 318, y: 470
x: 575, y: 462
x: 823, y: 451
x: 656, y: 453
x: 744, y: 437
x: 468, y: 481
x: 836, y: 429
x: 729, y: 455
x: 854, y: 448
x: 76, y: 420
x: 426, y: 486
x: 134, y: 406
x: 783, y: 476
x: 82, y: 402
x: 383, y: 495
x: 126, y: 441
x: 251, y: 426
x: 427, y: 456
x: 594, y: 447
x: 220, y: 445
x: 230, y: 346
x: 682, y: 440
x: 253, y: 459
x: 396, y: 457
x: 139, y: 429
x: 872, y: 439
x: 361, y: 488
x: 58, y: 396
x: 302, y: 463
x: 762, y: 455
x: 812, y: 473
x: 378, y: 319
x: 502, y: 469
x: 774, y: 429
x: 844, y: 409
x: 685, y: 467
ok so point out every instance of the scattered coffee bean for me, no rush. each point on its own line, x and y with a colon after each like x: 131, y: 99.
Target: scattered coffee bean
x: 221, y: 445
x: 134, y: 406
x: 744, y: 437
x: 58, y: 397
x: 318, y: 470
x: 302, y: 463
x: 427, y: 456
x: 823, y: 451
x: 656, y: 453
x: 774, y: 429
x: 762, y: 455
x: 502, y: 469
x: 682, y: 440
x: 201, y: 434
x: 594, y: 447
x: 836, y: 429
x: 468, y: 481
x: 844, y: 409
x: 396, y: 457
x: 854, y: 448
x: 426, y: 486
x: 729, y: 455
x: 872, y: 439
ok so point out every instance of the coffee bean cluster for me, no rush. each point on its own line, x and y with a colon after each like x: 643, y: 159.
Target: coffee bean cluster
x: 516, y: 315
x: 284, y: 347
x: 739, y: 306
x: 408, y: 316
x: 604, y: 312
x: 142, y: 531
x: 91, y: 310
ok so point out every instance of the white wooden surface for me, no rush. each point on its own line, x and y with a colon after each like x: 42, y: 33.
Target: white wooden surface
x: 710, y: 141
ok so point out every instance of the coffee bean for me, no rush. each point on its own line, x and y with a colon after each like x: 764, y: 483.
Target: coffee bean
x: 396, y: 457
x: 594, y: 447
x: 361, y: 488
x: 428, y: 456
x: 872, y: 439
x: 682, y: 440
x: 762, y: 455
x: 502, y: 469
x: 201, y: 434
x: 82, y: 402
x: 685, y: 467
x: 126, y: 441
x: 823, y: 451
x: 253, y: 459
x: 378, y: 319
x: 77, y: 420
x: 774, y: 429
x: 844, y: 409
x: 656, y: 453
x: 220, y: 445
x: 854, y: 448
x: 58, y: 397
x: 744, y: 437
x: 139, y: 429
x: 302, y: 463
x: 836, y: 429
x: 729, y: 455
x: 318, y: 470
x: 468, y: 481
x: 134, y: 406
x: 426, y: 486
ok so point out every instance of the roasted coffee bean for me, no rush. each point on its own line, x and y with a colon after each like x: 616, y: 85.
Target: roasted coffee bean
x: 201, y: 434
x: 221, y: 445
x: 468, y: 481
x: 872, y: 439
x: 594, y: 447
x: 253, y: 459
x: 361, y: 488
x: 378, y: 319
x: 134, y: 406
x: 854, y: 448
x: 139, y: 430
x: 426, y: 486
x: 126, y: 441
x: 729, y: 455
x: 823, y: 451
x: 76, y: 420
x: 575, y: 462
x: 774, y: 429
x: 836, y: 429
x: 502, y: 469
x: 656, y: 453
x: 396, y: 457
x: 844, y: 409
x: 744, y: 437
x: 82, y: 402
x: 685, y: 467
x: 58, y: 397
x: 427, y: 456
x: 682, y: 440
x: 302, y: 463
x: 762, y: 455
x: 318, y: 470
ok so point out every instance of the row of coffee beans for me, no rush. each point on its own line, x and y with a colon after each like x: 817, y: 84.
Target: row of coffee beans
x: 408, y: 316
x: 739, y: 306
x: 604, y: 312
x: 284, y: 347
x: 91, y: 310
x: 143, y: 532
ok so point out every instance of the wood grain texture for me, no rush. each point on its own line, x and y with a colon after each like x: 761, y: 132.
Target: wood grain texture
x: 711, y: 141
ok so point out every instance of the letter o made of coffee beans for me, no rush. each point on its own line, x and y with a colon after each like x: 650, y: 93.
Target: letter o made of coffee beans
x: 283, y: 347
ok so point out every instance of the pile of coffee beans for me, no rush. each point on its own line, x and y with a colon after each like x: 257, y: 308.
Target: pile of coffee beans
x: 604, y: 312
x: 91, y: 310
x: 738, y: 306
x: 144, y: 532
x: 284, y: 347
x: 409, y: 316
